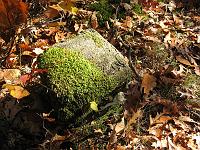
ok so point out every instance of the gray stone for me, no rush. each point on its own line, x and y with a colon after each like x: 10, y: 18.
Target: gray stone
x: 83, y: 69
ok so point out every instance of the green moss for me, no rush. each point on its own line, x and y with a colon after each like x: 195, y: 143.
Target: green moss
x: 192, y: 82
x: 75, y: 80
x: 111, y: 113
x: 104, y: 10
x: 156, y: 57
x: 161, y: 1
x: 167, y: 91
x: 137, y: 8
x: 191, y: 85
x: 95, y: 38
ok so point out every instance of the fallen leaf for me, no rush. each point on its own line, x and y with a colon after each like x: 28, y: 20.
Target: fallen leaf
x: 94, y: 106
x: 12, y: 14
x: 198, y: 38
x: 180, y: 72
x: 58, y: 138
x: 16, y: 91
x: 197, y: 70
x: 94, y: 21
x: 163, y: 119
x: 156, y: 130
x: 169, y: 41
x: 56, y: 24
x: 128, y: 22
x: 59, y: 36
x: 51, y: 12
x: 68, y: 5
x: 148, y: 83
x: 25, y: 78
x: 184, y: 61
x: 120, y: 126
x: 160, y: 144
x: 134, y: 118
x: 171, y: 6
x: 10, y: 75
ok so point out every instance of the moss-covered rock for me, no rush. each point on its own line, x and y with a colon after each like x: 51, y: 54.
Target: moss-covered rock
x: 83, y: 69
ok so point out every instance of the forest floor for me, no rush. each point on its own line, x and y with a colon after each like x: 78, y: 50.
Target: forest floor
x: 162, y: 43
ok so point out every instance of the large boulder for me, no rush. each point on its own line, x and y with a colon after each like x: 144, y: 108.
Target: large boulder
x: 84, y: 68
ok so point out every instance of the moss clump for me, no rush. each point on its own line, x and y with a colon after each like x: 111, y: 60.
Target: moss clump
x: 191, y: 85
x: 156, y: 57
x: 76, y: 81
x: 137, y: 8
x: 111, y: 113
x: 99, y: 43
x: 104, y: 10
x: 192, y: 82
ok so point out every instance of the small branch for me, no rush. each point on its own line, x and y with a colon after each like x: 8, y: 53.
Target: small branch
x: 132, y: 66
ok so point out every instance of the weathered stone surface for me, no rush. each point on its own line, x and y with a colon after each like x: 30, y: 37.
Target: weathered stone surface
x: 82, y: 69
x: 100, y: 52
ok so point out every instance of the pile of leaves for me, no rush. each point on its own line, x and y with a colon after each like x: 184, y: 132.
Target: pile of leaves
x: 160, y: 39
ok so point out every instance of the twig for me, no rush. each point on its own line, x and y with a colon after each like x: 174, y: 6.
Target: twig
x: 128, y: 47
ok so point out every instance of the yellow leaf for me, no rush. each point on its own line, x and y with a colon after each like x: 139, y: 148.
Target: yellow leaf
x: 8, y: 86
x: 94, y: 106
x: 74, y: 10
x: 16, y: 91
x: 68, y: 6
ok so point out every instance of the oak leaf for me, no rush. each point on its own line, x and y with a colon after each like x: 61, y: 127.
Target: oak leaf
x: 12, y: 14
x: 148, y: 83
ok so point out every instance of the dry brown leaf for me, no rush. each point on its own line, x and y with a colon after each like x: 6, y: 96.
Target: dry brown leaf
x: 182, y: 125
x: 156, y: 130
x: 198, y: 38
x: 66, y: 6
x: 180, y: 72
x: 184, y: 61
x: 56, y: 24
x: 59, y: 36
x: 12, y: 14
x: 10, y: 75
x: 128, y: 22
x: 119, y: 147
x: 134, y: 118
x: 197, y: 70
x: 58, y: 138
x: 163, y: 119
x: 167, y: 40
x: 94, y: 21
x: 170, y: 81
x: 148, y: 83
x: 191, y: 143
x: 51, y: 13
x: 120, y: 126
x: 159, y: 119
